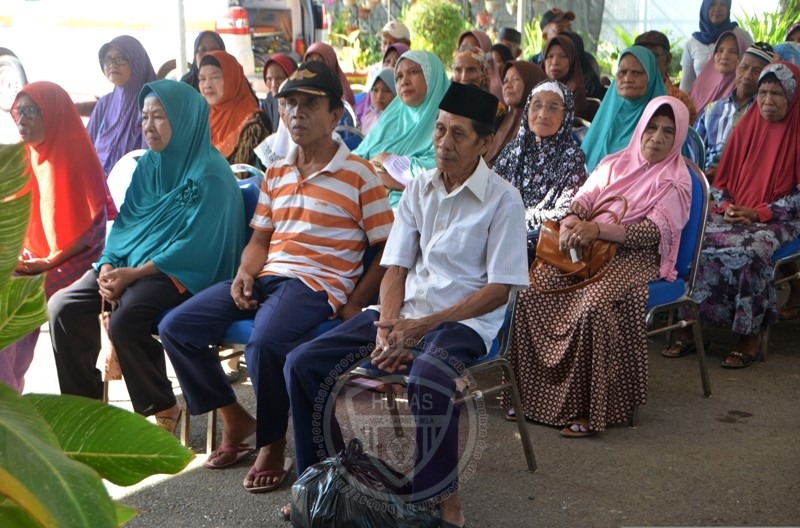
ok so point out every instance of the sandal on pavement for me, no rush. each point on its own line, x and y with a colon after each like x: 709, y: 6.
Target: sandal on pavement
x: 745, y: 360
x: 168, y: 424
x: 511, y: 416
x: 577, y: 429
x: 280, y: 473
x: 285, y: 512
x: 678, y: 349
x: 789, y: 313
x: 242, y: 451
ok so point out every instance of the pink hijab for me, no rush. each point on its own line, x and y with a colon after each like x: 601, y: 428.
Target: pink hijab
x: 661, y: 192
x: 329, y: 54
x: 485, y: 43
x: 710, y: 84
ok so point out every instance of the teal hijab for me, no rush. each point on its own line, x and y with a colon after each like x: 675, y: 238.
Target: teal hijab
x: 406, y: 131
x: 616, y: 119
x: 183, y: 210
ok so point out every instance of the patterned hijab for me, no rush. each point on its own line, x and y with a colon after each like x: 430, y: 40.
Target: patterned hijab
x: 509, y: 128
x: 661, y: 192
x: 542, y: 168
x: 183, y: 210
x: 574, y: 77
x: 789, y: 52
x: 68, y: 185
x: 114, y: 126
x: 485, y: 43
x: 761, y: 160
x: 236, y: 106
x: 617, y: 117
x: 329, y: 56
x: 710, y: 32
x: 711, y: 85
x: 194, y: 69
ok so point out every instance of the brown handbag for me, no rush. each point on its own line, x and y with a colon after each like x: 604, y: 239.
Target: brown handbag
x: 592, y: 265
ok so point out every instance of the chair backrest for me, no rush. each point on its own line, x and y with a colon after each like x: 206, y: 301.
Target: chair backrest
x: 694, y: 231
x: 501, y: 343
x: 592, y: 104
x: 250, y: 188
x: 350, y: 135
x: 694, y: 149
x: 579, y: 122
x: 244, y: 167
x: 119, y: 179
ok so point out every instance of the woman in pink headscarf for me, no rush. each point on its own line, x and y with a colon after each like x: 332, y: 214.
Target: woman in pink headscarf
x: 586, y: 367
x: 481, y: 40
x: 322, y: 52
x: 718, y: 76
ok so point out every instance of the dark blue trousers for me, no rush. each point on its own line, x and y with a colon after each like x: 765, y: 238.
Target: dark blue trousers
x: 311, y: 371
x: 288, y: 309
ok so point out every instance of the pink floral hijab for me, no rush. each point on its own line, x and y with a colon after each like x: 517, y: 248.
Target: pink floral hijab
x: 661, y: 192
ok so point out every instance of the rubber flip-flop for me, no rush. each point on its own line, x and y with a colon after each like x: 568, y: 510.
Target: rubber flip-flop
x: 577, y: 430
x: 684, y: 349
x: 280, y: 473
x: 242, y: 451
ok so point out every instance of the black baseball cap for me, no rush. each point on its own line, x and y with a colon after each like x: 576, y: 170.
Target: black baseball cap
x: 554, y: 15
x: 314, y: 78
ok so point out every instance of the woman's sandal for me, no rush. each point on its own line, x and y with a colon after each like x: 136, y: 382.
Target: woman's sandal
x: 678, y: 349
x: 168, y: 424
x: 789, y: 313
x: 577, y: 429
x: 745, y: 360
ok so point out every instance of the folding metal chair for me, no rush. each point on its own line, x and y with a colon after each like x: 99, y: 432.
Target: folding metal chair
x: 785, y: 255
x: 668, y: 296
x: 494, y: 359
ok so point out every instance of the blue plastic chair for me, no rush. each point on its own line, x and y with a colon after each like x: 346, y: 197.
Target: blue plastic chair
x: 694, y: 149
x: 667, y: 296
x: 494, y: 359
x: 350, y: 135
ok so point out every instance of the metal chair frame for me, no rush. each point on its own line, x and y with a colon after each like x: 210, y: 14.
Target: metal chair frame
x: 495, y: 359
x: 685, y: 299
x: 779, y: 259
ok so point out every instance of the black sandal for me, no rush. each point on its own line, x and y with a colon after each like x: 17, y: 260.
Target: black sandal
x: 746, y: 360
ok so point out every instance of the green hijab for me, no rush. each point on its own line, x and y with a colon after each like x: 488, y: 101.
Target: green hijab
x: 616, y: 119
x: 183, y: 210
x: 406, y: 131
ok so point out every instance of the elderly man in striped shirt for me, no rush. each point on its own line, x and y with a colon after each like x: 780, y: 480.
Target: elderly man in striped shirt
x: 317, y: 212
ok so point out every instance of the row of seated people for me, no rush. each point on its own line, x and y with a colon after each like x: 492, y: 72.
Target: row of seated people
x: 190, y: 211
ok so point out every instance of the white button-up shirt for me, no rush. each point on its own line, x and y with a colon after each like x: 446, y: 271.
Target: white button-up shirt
x: 454, y: 244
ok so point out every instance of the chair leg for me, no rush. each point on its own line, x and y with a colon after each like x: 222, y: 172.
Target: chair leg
x: 764, y: 345
x: 394, y: 412
x: 185, y: 424
x: 211, y: 431
x: 634, y: 417
x: 701, y: 356
x: 524, y: 435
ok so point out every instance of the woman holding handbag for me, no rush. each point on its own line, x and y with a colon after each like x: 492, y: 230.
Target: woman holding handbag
x: 587, y: 367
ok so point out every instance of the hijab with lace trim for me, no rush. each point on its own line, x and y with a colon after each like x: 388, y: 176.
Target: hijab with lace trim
x: 547, y: 171
x: 660, y: 192
x: 617, y: 116
x: 237, y: 105
x: 114, y: 125
x: 183, y: 210
x: 531, y: 75
x: 68, y: 186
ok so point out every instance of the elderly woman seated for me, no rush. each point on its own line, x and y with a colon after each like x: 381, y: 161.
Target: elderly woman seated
x: 757, y: 194
x: 544, y: 161
x: 580, y: 354
x: 179, y: 230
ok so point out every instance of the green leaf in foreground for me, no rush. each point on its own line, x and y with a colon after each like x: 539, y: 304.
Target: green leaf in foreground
x: 23, y: 308
x: 35, y: 474
x: 121, y: 446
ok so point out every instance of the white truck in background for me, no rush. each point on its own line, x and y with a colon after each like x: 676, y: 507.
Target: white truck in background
x: 58, y: 40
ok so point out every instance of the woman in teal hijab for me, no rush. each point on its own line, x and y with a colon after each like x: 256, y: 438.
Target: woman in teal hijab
x: 400, y: 144
x: 637, y: 82
x: 180, y: 229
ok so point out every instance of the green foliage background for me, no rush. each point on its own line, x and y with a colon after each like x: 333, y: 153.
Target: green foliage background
x: 435, y: 26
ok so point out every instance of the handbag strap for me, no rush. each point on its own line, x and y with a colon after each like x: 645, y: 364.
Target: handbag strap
x: 602, y: 209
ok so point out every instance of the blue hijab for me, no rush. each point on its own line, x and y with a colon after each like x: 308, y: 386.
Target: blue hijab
x: 709, y: 33
x: 616, y: 119
x: 406, y: 131
x: 183, y: 210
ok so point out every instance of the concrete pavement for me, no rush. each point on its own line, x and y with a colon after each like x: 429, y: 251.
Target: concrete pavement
x: 730, y: 460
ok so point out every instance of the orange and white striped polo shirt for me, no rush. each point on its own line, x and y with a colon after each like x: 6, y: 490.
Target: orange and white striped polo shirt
x: 322, y: 224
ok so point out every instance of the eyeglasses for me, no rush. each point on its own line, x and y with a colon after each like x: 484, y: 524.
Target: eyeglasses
x: 119, y: 60
x: 550, y: 109
x: 30, y: 112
